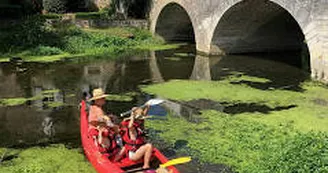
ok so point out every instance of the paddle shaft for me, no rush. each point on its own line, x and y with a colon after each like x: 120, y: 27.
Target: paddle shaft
x: 129, y: 112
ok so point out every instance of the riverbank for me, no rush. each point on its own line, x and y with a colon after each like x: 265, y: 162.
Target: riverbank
x: 35, y: 40
x: 275, y: 130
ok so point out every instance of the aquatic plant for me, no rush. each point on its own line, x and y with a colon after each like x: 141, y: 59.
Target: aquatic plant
x: 123, y: 98
x: 53, y: 158
x: 272, y: 130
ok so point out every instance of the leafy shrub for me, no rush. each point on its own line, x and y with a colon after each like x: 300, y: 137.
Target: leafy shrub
x: 46, y: 51
x: 80, y: 43
x: 30, y: 32
x: 55, y: 6
x: 77, y: 44
x: 141, y: 34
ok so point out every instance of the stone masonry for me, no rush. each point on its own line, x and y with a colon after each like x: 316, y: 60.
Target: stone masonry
x: 205, y: 15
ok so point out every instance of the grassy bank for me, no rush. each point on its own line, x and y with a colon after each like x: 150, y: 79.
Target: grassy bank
x: 268, y: 130
x: 35, y: 40
x: 54, y: 158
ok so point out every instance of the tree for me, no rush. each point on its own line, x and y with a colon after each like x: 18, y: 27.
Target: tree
x: 55, y: 6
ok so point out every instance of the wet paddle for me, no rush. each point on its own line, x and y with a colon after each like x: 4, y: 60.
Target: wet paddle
x: 150, y: 102
x: 168, y: 163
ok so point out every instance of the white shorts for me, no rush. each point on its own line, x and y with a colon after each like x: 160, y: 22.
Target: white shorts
x: 131, y: 154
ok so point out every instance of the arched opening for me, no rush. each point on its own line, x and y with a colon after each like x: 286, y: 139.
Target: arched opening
x: 174, y: 25
x: 261, y: 27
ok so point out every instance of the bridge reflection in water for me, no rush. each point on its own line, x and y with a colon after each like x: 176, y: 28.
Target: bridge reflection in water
x: 56, y: 88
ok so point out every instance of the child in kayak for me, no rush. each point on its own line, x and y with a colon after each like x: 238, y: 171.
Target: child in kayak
x: 133, y: 136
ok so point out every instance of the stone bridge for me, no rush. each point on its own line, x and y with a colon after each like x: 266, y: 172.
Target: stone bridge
x: 248, y: 26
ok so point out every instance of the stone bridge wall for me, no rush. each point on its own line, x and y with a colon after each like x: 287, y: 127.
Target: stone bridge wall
x: 310, y: 15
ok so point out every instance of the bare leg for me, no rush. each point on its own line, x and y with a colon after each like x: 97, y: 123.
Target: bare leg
x: 145, y: 151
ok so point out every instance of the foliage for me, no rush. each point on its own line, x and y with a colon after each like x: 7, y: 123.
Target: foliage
x: 52, y: 16
x: 45, y: 51
x: 55, y: 6
x: 32, y: 32
x: 46, y: 160
x: 35, y: 40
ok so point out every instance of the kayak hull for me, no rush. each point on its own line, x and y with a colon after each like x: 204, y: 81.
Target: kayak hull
x: 100, y: 162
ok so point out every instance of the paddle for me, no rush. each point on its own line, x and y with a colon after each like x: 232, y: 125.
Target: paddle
x: 168, y: 163
x: 175, y: 162
x: 150, y: 102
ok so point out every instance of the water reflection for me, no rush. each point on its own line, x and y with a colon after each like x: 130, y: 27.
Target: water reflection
x: 54, y: 91
x: 201, y: 70
x: 57, y: 88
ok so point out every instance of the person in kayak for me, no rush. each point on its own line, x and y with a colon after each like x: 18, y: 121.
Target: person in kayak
x: 106, y: 141
x: 96, y: 113
x: 133, y: 136
x: 101, y: 127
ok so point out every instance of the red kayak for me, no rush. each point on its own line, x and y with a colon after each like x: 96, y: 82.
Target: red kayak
x: 102, y: 164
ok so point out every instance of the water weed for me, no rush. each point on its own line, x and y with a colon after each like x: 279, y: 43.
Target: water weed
x: 53, y: 158
x: 273, y: 130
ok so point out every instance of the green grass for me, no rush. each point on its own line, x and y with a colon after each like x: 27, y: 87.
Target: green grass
x: 54, y: 158
x: 285, y: 140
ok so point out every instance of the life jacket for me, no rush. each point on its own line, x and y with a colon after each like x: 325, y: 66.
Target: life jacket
x: 113, y: 149
x: 129, y: 144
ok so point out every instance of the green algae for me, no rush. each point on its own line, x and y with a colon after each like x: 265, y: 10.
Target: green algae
x: 238, y: 76
x: 173, y: 58
x: 250, y: 141
x: 240, y: 143
x: 21, y: 100
x: 305, y: 114
x: 53, y: 158
x: 122, y: 98
x: 55, y: 104
x: 182, y: 54
x: 50, y: 91
x: 12, y: 101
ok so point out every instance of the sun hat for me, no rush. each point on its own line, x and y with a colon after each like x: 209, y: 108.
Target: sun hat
x: 98, y: 94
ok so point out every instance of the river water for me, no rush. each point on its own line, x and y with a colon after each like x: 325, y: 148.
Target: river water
x: 40, y: 121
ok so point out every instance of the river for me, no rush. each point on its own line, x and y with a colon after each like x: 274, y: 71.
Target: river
x: 54, y: 117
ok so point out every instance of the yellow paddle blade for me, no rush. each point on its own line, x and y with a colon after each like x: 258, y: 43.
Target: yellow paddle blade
x: 175, y: 162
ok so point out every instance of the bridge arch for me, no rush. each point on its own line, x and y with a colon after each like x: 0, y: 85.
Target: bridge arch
x: 173, y: 23
x: 260, y: 26
x: 310, y: 16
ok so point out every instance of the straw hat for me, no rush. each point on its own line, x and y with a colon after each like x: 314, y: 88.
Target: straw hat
x: 98, y: 94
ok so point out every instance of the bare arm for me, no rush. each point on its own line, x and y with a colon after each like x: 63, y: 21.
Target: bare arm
x: 131, y: 121
x: 145, y: 110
